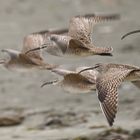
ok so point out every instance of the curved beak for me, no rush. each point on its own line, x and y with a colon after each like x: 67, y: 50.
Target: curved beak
x: 49, y: 83
x: 91, y: 68
x: 38, y: 48
x: 133, y: 32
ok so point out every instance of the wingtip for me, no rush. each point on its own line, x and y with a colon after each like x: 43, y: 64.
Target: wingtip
x: 111, y: 123
x: 106, y: 54
x: 112, y: 16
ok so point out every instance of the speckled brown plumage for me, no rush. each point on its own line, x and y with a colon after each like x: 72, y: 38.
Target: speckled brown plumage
x: 78, y: 42
x: 74, y: 82
x: 108, y: 80
x: 22, y: 60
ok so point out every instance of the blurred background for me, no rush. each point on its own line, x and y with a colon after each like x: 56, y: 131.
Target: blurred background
x: 49, y: 113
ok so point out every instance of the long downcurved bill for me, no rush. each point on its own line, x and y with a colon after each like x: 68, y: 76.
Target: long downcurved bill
x: 91, y: 68
x: 49, y: 83
x: 38, y: 48
x: 133, y: 32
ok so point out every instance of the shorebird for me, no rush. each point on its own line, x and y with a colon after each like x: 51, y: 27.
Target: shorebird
x: 109, y: 78
x: 129, y: 33
x: 20, y: 61
x: 73, y: 82
x: 78, y: 41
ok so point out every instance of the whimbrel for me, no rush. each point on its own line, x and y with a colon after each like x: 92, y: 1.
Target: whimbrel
x: 21, y: 61
x: 78, y: 41
x: 108, y: 80
x: 129, y: 33
x: 73, y: 82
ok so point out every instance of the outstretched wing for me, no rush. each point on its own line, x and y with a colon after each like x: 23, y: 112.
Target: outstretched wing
x: 76, y: 78
x: 75, y: 45
x: 58, y: 31
x: 91, y: 75
x: 107, y: 85
x: 30, y: 42
x: 81, y: 27
x: 37, y: 39
x: 62, y: 72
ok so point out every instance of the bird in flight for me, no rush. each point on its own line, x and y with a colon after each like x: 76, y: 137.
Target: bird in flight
x: 73, y: 82
x: 109, y: 78
x: 21, y: 61
x: 78, y: 41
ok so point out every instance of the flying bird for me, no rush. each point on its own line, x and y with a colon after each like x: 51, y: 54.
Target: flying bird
x: 73, y: 82
x: 109, y: 78
x: 78, y: 41
x: 21, y: 61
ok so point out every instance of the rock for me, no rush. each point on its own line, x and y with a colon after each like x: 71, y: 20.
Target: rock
x: 136, y: 133
x: 113, y: 134
x: 11, y: 117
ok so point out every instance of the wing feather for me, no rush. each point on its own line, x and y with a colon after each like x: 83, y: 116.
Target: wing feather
x: 107, y: 85
x: 81, y: 27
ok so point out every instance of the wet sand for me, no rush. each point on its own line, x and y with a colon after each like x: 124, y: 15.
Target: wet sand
x: 49, y: 113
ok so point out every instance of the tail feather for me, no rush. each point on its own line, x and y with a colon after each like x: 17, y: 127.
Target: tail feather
x: 106, y: 54
x: 102, y: 51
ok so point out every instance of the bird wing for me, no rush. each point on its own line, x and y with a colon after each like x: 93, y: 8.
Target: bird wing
x: 76, y: 45
x: 58, y: 31
x: 81, y: 27
x: 30, y: 42
x: 37, y: 39
x: 90, y: 74
x: 76, y: 78
x: 60, y: 42
x: 62, y: 72
x: 107, y: 85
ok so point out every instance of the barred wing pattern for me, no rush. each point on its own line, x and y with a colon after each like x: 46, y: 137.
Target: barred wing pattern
x: 37, y: 39
x: 81, y: 27
x: 30, y: 42
x: 107, y: 85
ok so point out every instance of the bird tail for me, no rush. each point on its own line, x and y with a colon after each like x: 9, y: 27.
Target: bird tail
x: 102, y: 51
